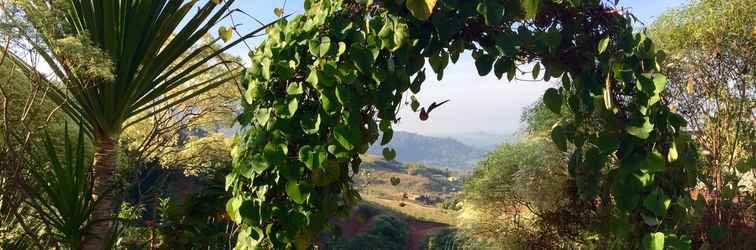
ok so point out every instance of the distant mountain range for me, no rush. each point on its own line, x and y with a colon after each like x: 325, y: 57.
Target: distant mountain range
x: 482, y: 140
x: 437, y: 152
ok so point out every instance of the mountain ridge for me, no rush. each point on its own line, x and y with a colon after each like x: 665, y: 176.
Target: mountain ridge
x: 439, y: 152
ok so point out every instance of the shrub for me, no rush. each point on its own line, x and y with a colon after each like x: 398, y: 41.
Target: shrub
x: 388, y: 232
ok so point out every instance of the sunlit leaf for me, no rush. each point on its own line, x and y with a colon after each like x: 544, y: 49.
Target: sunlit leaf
x: 603, y: 43
x: 421, y: 9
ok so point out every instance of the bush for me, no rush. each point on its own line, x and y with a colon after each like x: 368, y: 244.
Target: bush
x: 452, y: 239
x: 388, y: 232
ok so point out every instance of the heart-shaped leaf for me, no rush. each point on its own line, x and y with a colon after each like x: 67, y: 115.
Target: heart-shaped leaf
x: 395, y: 181
x: 262, y: 115
x: 325, y: 45
x: 559, y: 137
x: 295, y: 88
x: 389, y: 154
x: 225, y: 33
x: 553, y: 100
x: 292, y: 190
x: 484, y: 63
x: 640, y: 128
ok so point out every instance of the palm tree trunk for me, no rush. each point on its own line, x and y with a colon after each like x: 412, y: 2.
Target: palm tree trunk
x: 101, y: 228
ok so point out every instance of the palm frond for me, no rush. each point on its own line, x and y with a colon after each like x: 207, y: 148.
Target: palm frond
x: 61, y: 193
x: 153, y: 54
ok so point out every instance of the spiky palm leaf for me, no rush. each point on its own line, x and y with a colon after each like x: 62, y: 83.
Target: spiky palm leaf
x: 61, y: 196
x: 151, y: 52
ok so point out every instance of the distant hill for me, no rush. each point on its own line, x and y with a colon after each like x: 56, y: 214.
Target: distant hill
x: 432, y: 151
x: 481, y: 140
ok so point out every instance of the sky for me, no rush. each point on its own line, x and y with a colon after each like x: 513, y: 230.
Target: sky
x: 478, y: 104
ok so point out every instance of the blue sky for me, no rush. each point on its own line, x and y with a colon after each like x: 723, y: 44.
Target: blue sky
x: 478, y: 104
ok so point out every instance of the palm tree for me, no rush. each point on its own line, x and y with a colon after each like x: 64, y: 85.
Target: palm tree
x: 116, y: 62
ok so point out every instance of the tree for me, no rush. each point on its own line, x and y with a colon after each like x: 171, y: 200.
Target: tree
x: 710, y: 50
x: 165, y: 134
x: 511, y: 189
x: 114, y: 60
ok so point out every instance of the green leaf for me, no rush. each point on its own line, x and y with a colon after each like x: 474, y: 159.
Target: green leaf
x: 395, y: 181
x: 362, y: 58
x: 603, y: 43
x: 500, y: 67
x: 438, y: 61
x: 314, y: 47
x: 312, y: 78
x: 415, y: 104
x: 388, y: 134
x: 553, y: 100
x: 342, y: 49
x: 293, y: 106
x: 536, y: 70
x: 310, y: 123
x: 274, y: 153
x: 641, y: 129
x: 292, y: 190
x: 262, y: 115
x: 421, y: 9
x: 325, y: 46
x: 295, y: 88
x: 307, y: 157
x: 657, y: 202
x: 672, y: 154
x: 266, y: 64
x: 417, y: 82
x: 484, y: 63
x: 386, y: 35
x: 344, y: 137
x: 389, y: 154
x: 344, y: 95
x: 655, y: 162
x: 559, y: 137
x: 225, y: 33
x: 660, y: 82
x: 232, y: 208
x: 328, y: 103
x: 401, y: 34
x: 653, y: 241
x: 251, y: 93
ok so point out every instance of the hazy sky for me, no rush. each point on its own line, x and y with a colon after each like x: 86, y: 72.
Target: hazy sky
x: 478, y: 104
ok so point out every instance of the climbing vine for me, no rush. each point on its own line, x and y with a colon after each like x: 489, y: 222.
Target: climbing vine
x: 325, y: 84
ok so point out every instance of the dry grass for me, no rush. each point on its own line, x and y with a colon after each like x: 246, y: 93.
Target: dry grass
x: 414, y: 210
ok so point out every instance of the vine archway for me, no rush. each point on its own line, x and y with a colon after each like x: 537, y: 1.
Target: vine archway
x: 326, y: 83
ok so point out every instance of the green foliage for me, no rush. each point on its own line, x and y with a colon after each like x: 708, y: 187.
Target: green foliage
x: 709, y: 60
x: 531, y: 171
x: 452, y: 239
x: 356, y: 94
x: 116, y: 63
x: 387, y: 232
x: 176, y: 218
x: 61, y: 193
